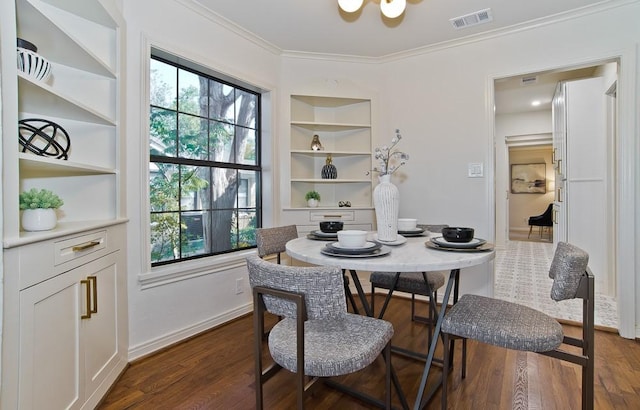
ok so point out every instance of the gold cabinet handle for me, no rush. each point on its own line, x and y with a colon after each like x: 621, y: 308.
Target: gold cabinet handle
x: 555, y: 217
x: 559, y: 194
x: 553, y: 156
x: 88, y: 295
x: 85, y: 246
x: 94, y: 279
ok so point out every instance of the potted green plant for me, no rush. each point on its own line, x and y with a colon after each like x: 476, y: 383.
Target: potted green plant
x: 39, y: 209
x: 312, y: 197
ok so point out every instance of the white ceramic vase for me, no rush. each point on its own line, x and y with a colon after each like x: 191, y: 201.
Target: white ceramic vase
x: 386, y: 201
x: 40, y: 219
x: 312, y: 203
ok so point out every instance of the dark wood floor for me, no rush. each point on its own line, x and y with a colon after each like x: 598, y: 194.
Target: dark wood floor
x: 215, y: 371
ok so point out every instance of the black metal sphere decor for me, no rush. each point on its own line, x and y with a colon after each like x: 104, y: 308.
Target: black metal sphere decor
x: 44, y: 138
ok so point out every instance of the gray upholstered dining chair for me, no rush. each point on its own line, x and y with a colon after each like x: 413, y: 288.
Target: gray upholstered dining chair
x: 272, y: 241
x: 514, y: 326
x: 413, y: 283
x: 317, y: 338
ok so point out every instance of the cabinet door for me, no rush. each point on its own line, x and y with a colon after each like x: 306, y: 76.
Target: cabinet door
x: 50, y: 340
x: 100, y: 332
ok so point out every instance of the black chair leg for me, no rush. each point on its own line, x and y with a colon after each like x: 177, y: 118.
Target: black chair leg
x: 445, y: 370
x: 387, y: 378
x: 413, y: 306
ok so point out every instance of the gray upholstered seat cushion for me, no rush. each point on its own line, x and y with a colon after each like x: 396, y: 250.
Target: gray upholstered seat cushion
x: 503, y: 323
x: 411, y: 282
x: 332, y: 347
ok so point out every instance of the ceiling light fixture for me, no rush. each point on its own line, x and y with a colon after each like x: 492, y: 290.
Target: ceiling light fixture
x: 390, y: 8
x: 535, y: 103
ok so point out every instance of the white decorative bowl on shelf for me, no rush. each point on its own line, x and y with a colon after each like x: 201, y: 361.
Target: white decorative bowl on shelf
x: 33, y: 64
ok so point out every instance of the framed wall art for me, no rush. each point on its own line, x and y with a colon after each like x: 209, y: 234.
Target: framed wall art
x: 528, y: 178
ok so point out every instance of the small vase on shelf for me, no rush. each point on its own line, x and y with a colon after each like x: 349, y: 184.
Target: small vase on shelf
x: 329, y: 171
x: 315, y: 143
x: 312, y: 203
x: 386, y: 201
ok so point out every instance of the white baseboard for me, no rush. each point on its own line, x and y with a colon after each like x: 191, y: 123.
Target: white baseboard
x: 169, y: 339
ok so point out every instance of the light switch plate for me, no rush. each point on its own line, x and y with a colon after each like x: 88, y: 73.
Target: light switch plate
x: 476, y: 170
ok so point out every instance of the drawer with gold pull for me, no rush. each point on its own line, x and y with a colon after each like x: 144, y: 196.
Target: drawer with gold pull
x: 70, y: 249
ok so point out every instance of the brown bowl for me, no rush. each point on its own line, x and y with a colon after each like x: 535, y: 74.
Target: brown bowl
x: 457, y: 234
x: 331, y: 226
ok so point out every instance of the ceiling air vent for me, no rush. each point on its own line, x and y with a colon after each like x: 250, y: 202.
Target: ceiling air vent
x: 468, y: 20
x: 529, y: 80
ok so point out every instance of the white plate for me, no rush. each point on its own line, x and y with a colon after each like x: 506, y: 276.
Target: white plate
x: 325, y: 234
x: 378, y: 252
x: 366, y: 246
x: 414, y: 230
x: 474, y: 243
x: 399, y: 240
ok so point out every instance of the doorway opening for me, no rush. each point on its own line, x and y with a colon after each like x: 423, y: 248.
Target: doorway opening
x: 524, y: 129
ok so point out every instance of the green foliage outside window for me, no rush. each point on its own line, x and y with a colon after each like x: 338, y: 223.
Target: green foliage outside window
x: 202, y: 146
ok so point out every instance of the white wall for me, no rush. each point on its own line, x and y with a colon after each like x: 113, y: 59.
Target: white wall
x: 443, y: 102
x: 523, y: 206
x: 537, y: 122
x: 440, y: 99
x: 162, y: 314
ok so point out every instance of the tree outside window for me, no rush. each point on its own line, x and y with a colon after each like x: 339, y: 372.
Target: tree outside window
x: 204, y: 168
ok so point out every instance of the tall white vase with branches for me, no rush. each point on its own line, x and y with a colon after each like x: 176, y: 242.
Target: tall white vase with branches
x: 386, y: 201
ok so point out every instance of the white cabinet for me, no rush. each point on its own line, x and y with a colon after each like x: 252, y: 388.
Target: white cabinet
x: 308, y: 220
x: 344, y: 127
x: 582, y: 205
x: 70, y: 324
x: 82, y: 95
x: 51, y: 358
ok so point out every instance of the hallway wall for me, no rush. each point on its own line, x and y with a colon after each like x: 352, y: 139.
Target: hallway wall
x: 522, y: 206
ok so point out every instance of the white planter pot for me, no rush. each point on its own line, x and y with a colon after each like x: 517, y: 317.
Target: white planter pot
x: 313, y: 203
x: 39, y: 219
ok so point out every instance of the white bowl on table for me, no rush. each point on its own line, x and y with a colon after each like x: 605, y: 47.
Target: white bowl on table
x: 407, y: 224
x: 352, y: 238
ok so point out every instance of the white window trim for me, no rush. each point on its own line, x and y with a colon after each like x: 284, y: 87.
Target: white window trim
x: 166, y: 274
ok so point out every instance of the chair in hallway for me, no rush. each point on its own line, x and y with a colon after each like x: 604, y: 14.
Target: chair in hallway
x: 514, y: 326
x: 317, y: 338
x: 544, y: 220
x: 416, y: 283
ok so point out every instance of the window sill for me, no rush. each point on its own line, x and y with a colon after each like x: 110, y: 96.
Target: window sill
x: 165, y: 275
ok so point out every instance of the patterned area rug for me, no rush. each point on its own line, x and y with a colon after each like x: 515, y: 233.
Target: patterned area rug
x: 522, y: 276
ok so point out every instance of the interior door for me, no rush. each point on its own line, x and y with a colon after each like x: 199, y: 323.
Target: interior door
x: 582, y: 170
x: 559, y: 163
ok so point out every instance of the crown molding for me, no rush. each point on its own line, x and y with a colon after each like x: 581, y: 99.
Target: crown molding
x: 604, y: 5
x: 207, y: 13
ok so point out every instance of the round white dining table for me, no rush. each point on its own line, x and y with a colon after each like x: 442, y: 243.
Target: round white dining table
x: 411, y: 256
